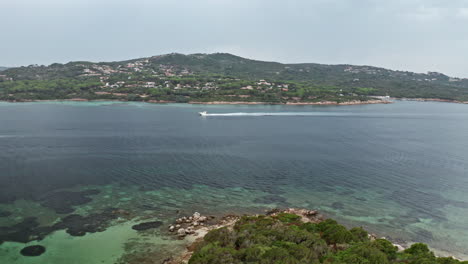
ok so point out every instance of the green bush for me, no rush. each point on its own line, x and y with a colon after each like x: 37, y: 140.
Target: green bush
x: 359, y: 234
x: 288, y: 218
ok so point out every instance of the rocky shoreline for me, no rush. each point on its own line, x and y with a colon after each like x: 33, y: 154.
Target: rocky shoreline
x: 193, y: 228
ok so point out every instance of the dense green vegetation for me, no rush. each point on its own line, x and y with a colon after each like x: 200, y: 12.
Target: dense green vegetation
x: 221, y: 77
x: 284, y: 239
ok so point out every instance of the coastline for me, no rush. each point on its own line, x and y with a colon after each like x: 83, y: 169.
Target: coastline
x: 198, y: 232
x: 354, y: 102
x: 431, y: 100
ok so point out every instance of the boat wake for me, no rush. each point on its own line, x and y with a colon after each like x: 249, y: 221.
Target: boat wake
x: 276, y: 114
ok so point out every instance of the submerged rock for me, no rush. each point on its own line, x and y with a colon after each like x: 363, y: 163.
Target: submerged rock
x: 33, y: 251
x: 4, y: 213
x: 147, y: 225
x: 75, y: 225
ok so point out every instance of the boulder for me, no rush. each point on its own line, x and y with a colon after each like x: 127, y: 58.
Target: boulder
x: 181, y: 232
x: 189, y: 230
x: 196, y: 215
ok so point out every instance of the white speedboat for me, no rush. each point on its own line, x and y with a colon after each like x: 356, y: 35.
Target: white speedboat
x: 204, y: 113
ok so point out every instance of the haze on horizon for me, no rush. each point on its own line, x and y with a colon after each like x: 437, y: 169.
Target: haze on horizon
x: 413, y: 35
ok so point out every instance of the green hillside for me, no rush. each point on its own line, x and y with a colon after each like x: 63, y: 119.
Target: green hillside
x: 221, y: 77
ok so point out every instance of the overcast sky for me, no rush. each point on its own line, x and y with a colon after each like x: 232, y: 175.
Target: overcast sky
x: 415, y: 35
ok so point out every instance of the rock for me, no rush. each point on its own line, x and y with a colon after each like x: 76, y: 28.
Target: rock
x: 171, y: 228
x: 273, y: 211
x: 399, y: 247
x: 195, y: 223
x: 202, y: 219
x: 189, y: 230
x: 147, y: 225
x: 33, y: 251
x: 177, y: 226
x: 311, y: 212
x: 372, y: 237
x: 196, y: 215
x: 181, y: 232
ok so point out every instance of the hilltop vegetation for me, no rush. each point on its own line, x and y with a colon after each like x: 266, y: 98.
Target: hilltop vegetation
x: 221, y: 77
x: 285, y: 239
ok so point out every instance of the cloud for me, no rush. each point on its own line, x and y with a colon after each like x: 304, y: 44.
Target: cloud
x: 417, y: 35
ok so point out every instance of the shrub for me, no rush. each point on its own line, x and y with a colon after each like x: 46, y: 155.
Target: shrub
x: 362, y: 253
x: 359, y: 234
x: 214, y: 254
x: 288, y: 218
x: 386, y: 247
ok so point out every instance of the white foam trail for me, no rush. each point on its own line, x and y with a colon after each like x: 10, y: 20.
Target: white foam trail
x: 280, y: 114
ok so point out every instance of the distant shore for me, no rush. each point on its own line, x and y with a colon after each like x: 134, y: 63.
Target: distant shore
x: 354, y: 102
x: 431, y: 100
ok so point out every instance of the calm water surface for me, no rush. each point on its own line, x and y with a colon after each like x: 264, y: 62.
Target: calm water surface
x: 400, y: 170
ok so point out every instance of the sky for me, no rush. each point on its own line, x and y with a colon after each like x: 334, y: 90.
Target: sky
x: 413, y: 35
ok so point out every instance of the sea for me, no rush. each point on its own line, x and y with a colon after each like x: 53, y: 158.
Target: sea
x: 75, y: 177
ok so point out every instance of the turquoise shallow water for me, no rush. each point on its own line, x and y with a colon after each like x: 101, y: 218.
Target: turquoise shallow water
x: 399, y: 170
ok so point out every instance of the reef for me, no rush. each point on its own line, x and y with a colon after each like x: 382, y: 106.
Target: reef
x: 75, y: 225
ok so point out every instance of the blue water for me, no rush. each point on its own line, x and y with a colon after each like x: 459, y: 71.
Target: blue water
x: 400, y: 170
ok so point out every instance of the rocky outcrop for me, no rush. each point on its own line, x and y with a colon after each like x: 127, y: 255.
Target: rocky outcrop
x: 187, y: 225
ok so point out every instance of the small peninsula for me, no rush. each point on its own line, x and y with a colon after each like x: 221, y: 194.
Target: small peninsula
x: 222, y: 78
x: 290, y: 236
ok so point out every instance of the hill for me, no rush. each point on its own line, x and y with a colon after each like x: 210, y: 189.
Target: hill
x: 222, y: 77
x: 3, y: 68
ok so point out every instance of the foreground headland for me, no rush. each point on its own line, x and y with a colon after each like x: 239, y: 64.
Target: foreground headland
x: 292, y: 236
